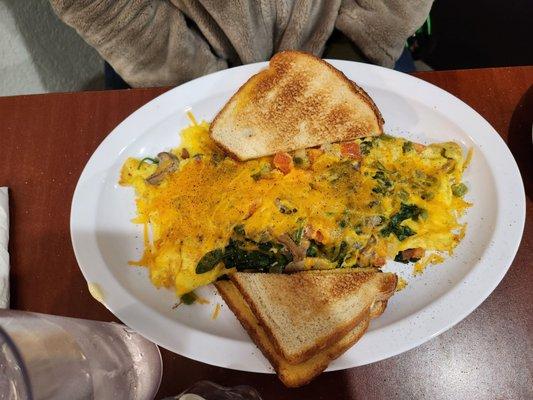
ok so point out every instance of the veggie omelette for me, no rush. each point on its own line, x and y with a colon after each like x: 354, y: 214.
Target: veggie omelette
x: 353, y: 204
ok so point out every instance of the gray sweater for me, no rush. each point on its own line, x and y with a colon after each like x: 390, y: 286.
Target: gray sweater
x: 167, y: 42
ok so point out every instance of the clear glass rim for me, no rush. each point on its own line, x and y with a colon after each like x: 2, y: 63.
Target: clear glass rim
x: 5, y: 338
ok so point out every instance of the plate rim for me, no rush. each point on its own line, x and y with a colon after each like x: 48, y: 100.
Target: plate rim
x: 121, y: 311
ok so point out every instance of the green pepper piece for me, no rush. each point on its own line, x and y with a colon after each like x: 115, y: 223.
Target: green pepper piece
x: 189, y: 298
x: 146, y: 159
x: 459, y: 189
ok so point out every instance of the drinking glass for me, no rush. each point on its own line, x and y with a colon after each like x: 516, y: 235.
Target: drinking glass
x: 51, y: 357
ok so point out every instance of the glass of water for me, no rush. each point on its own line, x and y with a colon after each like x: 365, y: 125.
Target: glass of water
x: 50, y: 357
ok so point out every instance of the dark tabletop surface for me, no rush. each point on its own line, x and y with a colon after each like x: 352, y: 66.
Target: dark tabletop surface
x: 47, y: 139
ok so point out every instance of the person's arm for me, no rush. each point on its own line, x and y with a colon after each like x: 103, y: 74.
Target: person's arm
x: 146, y: 41
x: 380, y: 28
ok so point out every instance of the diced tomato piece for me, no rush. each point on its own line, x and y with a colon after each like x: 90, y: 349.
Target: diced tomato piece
x: 313, y: 154
x: 351, y: 150
x: 419, y: 147
x: 283, y: 162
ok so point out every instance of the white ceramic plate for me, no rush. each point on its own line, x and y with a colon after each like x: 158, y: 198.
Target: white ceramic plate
x: 104, y: 239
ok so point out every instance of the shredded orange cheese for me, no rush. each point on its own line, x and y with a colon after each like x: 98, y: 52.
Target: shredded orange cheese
x: 421, y: 265
x: 216, y: 311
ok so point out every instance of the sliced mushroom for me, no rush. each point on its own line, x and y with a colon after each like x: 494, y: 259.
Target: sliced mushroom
x: 311, y: 233
x: 168, y: 163
x: 368, y: 252
x: 374, y: 220
x: 298, y: 252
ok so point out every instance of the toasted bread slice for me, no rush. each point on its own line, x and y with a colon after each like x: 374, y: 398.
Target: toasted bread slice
x: 291, y: 375
x: 378, y: 308
x: 308, y: 311
x: 299, y: 101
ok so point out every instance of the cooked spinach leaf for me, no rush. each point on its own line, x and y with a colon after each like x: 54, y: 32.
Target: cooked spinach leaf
x: 407, y: 211
x: 343, y: 251
x: 209, y: 261
x: 312, y: 250
x: 299, y: 232
x: 236, y: 256
x: 265, y: 246
x: 366, y: 146
x: 384, y: 185
x: 407, y: 147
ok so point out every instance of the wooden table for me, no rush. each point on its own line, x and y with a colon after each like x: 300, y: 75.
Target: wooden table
x: 47, y: 139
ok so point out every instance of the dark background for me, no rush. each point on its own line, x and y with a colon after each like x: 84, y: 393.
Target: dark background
x: 480, y: 33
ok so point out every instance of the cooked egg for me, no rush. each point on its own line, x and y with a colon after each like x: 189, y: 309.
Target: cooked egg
x: 343, y: 205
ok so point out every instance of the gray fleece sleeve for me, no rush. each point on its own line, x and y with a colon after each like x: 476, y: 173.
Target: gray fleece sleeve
x: 380, y: 27
x: 146, y: 41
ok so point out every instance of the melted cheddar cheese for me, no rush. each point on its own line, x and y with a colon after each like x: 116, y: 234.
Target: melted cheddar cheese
x: 349, y: 205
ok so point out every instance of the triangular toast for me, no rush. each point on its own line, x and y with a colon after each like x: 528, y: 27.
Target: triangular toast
x: 291, y: 375
x: 299, y: 101
x: 308, y: 311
